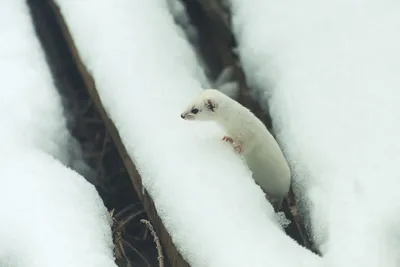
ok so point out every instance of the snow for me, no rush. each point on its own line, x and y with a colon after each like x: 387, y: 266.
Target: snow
x: 18, y: 56
x: 329, y: 71
x: 182, y: 20
x: 145, y: 74
x: 50, y: 214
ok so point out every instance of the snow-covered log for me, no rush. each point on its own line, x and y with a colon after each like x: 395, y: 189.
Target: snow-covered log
x: 51, y: 216
x: 329, y: 71
x: 145, y: 73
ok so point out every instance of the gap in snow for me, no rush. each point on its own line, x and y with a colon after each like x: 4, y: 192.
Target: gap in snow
x: 219, y: 69
x: 107, y: 171
x: 72, y: 147
x: 204, y: 41
x: 63, y: 83
x: 204, y: 38
x: 186, y: 28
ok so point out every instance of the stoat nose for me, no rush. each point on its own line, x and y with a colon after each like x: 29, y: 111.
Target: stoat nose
x: 182, y: 116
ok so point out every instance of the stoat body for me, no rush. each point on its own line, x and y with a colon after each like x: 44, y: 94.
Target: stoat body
x: 250, y: 138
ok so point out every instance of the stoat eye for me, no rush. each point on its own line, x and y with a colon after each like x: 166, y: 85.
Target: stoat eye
x: 195, y: 110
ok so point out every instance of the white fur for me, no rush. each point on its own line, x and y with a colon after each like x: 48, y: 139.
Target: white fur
x: 260, y: 150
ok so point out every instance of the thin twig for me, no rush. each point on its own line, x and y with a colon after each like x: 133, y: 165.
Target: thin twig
x: 127, y: 208
x: 119, y: 241
x: 121, y: 224
x: 102, y: 152
x: 160, y: 256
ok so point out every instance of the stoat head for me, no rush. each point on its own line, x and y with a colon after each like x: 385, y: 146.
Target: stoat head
x: 204, y: 107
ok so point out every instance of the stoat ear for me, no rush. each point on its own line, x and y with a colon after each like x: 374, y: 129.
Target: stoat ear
x: 210, y: 104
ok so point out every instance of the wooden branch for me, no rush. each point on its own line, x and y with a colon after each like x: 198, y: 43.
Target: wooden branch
x: 172, y: 255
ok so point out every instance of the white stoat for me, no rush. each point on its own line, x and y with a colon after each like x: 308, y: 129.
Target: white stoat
x: 249, y: 137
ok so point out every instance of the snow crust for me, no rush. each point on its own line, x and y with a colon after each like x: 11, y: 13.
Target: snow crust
x: 51, y: 216
x: 145, y: 74
x: 329, y: 72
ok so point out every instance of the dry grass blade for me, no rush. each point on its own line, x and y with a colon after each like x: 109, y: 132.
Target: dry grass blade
x: 118, y: 228
x: 160, y: 256
x: 119, y: 249
x: 127, y: 208
x: 121, y: 224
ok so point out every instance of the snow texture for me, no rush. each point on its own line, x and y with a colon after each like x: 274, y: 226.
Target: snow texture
x: 19, y: 56
x: 329, y: 71
x: 51, y: 216
x: 145, y: 74
x: 187, y: 30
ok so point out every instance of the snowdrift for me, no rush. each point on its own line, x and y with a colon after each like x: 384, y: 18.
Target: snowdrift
x: 329, y: 73
x: 145, y: 73
x: 50, y: 214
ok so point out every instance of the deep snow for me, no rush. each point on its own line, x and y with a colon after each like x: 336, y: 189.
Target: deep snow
x: 329, y: 72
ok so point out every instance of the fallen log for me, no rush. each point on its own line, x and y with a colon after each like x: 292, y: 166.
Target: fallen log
x: 172, y: 255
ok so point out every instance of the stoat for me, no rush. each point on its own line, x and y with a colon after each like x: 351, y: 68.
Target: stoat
x: 249, y: 137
